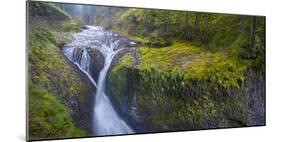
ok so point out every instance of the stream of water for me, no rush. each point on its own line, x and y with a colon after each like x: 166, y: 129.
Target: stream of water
x: 106, y: 121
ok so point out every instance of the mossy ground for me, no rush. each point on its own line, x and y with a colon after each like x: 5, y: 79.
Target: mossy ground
x: 53, y: 84
x: 195, y: 63
x: 48, y: 117
x: 48, y: 66
x: 48, y: 69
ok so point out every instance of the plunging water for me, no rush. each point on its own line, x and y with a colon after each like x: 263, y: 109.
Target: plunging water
x: 105, y: 119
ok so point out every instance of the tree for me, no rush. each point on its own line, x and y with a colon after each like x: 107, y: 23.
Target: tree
x: 166, y: 23
x: 241, y: 23
x: 196, y: 22
x: 205, y: 33
x: 206, y: 22
x: 197, y: 26
x: 187, y: 32
x: 252, y: 32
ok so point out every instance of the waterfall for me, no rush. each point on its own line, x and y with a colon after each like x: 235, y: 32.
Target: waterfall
x: 106, y: 121
x: 70, y: 54
x: 85, y: 61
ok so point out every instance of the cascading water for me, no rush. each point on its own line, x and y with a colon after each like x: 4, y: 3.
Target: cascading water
x: 105, y: 119
x: 85, y: 61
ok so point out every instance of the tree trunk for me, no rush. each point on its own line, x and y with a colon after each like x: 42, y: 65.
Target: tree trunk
x: 187, y: 32
x: 197, y: 28
x: 241, y: 24
x: 206, y: 22
x: 166, y: 19
x: 196, y: 23
x: 204, y: 37
x: 252, y: 32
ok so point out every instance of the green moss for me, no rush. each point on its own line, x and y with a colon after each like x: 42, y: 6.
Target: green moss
x: 47, y: 63
x: 221, y: 67
x: 48, y: 69
x: 53, y: 82
x: 139, y: 39
x: 183, y: 87
x: 165, y: 58
x: 196, y: 81
x: 71, y: 26
x: 168, y: 101
x: 48, y: 117
x: 126, y: 61
x: 211, y: 31
x: 120, y: 74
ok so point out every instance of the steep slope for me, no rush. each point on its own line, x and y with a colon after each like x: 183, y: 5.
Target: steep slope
x: 58, y: 100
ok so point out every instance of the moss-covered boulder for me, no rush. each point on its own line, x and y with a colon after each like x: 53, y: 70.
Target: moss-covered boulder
x: 182, y: 87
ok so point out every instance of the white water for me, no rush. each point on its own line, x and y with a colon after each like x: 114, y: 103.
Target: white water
x: 105, y: 119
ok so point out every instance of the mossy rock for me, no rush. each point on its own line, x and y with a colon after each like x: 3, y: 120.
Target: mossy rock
x: 53, y: 81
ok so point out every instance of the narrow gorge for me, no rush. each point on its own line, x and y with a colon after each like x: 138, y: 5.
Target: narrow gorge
x: 106, y: 121
x: 100, y: 71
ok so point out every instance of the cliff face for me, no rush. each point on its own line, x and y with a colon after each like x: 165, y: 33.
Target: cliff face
x: 254, y: 92
x: 185, y: 76
x: 153, y: 100
x: 96, y: 61
x: 60, y: 96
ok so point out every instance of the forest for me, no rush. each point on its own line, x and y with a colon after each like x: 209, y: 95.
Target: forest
x: 103, y: 70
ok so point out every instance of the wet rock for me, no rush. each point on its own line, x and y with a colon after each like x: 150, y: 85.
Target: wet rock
x: 97, y: 62
x: 85, y: 27
x: 81, y: 110
x: 195, y: 105
x: 254, y: 91
x: 77, y: 54
x: 119, y: 56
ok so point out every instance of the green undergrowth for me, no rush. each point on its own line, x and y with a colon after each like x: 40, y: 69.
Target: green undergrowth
x: 48, y: 69
x: 47, y: 65
x: 217, y: 66
x: 46, y: 109
x: 211, y: 31
x: 53, y: 84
